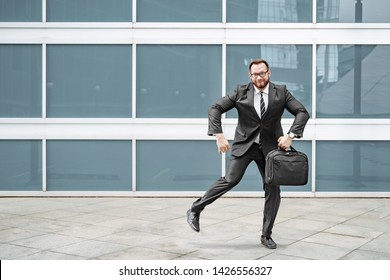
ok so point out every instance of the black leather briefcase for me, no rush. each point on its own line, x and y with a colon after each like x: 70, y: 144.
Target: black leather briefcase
x: 286, y: 168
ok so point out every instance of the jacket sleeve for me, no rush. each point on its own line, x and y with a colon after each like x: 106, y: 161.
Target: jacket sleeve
x: 216, y: 110
x: 300, y: 113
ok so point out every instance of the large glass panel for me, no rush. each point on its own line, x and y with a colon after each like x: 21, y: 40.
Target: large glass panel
x: 252, y: 181
x: 179, y: 10
x: 86, y: 165
x: 353, y: 166
x: 289, y: 65
x: 20, y: 81
x: 269, y: 11
x: 353, y: 81
x: 349, y: 11
x: 89, y: 81
x: 177, y: 81
x: 20, y: 165
x: 177, y: 165
x: 20, y: 10
x: 87, y: 10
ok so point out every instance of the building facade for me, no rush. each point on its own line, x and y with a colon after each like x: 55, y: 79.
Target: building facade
x: 111, y: 97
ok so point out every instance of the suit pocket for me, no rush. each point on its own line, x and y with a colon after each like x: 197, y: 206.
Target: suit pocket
x: 240, y: 133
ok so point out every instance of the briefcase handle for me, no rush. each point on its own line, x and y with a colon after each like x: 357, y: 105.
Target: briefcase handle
x: 291, y: 149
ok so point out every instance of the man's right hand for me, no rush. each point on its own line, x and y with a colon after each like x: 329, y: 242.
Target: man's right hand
x: 222, y: 143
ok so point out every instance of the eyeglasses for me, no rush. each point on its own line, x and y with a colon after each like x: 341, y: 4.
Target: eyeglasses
x: 261, y: 74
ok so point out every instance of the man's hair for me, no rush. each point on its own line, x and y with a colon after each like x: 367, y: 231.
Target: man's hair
x: 258, y: 61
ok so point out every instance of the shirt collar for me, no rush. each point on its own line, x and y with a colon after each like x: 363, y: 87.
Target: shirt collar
x: 266, y: 90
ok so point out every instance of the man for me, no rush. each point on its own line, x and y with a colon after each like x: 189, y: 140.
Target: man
x: 260, y: 105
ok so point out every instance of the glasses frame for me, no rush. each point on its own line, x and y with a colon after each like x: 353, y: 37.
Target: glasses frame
x: 261, y: 74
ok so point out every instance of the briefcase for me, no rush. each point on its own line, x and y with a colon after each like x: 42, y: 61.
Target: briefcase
x: 286, y: 167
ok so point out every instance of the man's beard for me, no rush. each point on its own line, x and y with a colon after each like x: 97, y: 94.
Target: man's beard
x: 262, y: 85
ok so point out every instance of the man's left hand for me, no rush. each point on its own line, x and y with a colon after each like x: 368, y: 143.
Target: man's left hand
x: 284, y: 142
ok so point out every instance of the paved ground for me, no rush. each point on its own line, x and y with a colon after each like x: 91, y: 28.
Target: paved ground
x: 156, y: 228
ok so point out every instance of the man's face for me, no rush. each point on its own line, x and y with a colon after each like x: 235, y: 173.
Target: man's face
x: 259, y: 74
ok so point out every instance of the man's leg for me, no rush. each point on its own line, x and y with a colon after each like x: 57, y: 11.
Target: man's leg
x: 271, y: 207
x: 236, y: 169
x: 234, y: 173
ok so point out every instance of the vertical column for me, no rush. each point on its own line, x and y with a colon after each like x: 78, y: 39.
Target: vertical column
x: 44, y: 166
x: 134, y: 166
x: 314, y: 11
x: 223, y: 11
x: 357, y: 100
x: 44, y: 11
x: 134, y: 17
x: 223, y: 155
x: 358, y: 63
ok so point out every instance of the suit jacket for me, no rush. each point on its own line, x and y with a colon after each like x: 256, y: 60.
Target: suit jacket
x: 249, y: 123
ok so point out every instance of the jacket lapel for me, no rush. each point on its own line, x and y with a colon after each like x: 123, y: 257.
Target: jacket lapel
x: 251, y: 99
x: 271, y: 97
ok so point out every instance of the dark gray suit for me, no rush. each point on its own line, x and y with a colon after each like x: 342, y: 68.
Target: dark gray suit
x: 244, y: 151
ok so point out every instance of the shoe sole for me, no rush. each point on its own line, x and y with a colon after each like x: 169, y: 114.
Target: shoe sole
x: 269, y: 247
x: 191, y: 226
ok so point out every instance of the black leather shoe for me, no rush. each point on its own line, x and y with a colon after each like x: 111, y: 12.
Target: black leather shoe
x: 268, y: 242
x: 193, y: 220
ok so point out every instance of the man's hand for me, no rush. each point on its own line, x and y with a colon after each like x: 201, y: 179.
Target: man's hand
x: 222, y: 143
x: 284, y: 142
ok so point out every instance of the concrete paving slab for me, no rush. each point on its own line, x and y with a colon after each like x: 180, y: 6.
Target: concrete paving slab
x: 90, y: 249
x: 10, y: 251
x: 155, y: 228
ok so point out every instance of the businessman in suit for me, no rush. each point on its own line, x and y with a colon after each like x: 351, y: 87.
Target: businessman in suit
x: 260, y: 105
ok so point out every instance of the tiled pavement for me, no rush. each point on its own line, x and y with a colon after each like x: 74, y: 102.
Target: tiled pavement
x: 155, y: 228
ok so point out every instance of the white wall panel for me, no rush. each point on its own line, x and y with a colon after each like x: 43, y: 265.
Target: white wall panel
x: 194, y: 33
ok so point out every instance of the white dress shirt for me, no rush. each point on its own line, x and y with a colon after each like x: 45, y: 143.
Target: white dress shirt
x: 257, y: 103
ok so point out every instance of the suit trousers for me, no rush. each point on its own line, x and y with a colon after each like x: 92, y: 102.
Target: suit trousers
x: 234, y: 174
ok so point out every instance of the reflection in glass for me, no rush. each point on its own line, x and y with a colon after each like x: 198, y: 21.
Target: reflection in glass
x: 87, y: 10
x: 20, y: 165
x: 351, y: 11
x: 20, y: 10
x: 179, y: 10
x: 83, y: 165
x: 289, y: 65
x: 89, y: 81
x: 354, y: 166
x: 269, y: 11
x: 177, y: 165
x: 177, y: 81
x: 353, y: 81
x: 20, y: 81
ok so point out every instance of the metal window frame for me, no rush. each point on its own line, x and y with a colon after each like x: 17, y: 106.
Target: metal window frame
x: 224, y: 34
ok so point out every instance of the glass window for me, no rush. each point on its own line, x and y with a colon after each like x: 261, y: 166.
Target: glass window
x: 179, y: 10
x: 89, y: 81
x: 20, y: 10
x: 83, y: 165
x: 269, y: 11
x: 252, y: 181
x: 353, y: 81
x: 20, y: 81
x: 177, y: 165
x: 289, y: 65
x: 87, y: 10
x: 351, y: 11
x: 20, y: 165
x: 177, y: 81
x: 353, y: 166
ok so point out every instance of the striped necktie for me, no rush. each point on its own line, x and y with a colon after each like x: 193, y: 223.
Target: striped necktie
x: 262, y: 105
x: 262, y: 112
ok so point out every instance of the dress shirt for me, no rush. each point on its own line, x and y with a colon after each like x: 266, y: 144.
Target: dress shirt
x: 257, y: 103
